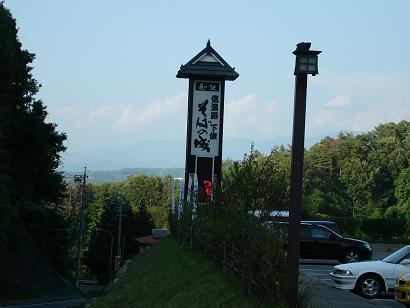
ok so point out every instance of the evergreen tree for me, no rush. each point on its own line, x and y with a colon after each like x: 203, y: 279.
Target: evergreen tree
x: 103, y: 223
x: 30, y: 185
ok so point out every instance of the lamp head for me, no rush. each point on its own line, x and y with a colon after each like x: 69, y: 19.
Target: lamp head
x: 306, y: 59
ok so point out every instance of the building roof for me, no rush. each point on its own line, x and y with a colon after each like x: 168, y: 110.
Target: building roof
x: 208, y: 64
x: 147, y: 240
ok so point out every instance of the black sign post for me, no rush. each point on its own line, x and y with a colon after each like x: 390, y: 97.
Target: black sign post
x: 207, y: 73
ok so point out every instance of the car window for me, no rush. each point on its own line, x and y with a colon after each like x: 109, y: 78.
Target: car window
x: 320, y: 233
x: 305, y: 231
x: 397, y: 256
x: 332, y: 227
x: 406, y: 257
x: 328, y: 224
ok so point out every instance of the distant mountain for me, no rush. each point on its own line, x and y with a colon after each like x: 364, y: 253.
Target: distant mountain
x: 147, y: 154
x: 120, y: 175
x: 163, y: 154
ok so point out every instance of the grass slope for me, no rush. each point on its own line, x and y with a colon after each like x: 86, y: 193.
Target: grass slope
x: 167, y: 275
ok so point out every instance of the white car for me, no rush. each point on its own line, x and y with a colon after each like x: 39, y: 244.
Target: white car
x: 370, y: 278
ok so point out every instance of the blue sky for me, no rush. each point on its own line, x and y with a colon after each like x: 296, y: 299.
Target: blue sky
x: 107, y: 70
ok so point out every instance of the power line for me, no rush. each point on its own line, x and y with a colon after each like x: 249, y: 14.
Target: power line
x: 72, y: 175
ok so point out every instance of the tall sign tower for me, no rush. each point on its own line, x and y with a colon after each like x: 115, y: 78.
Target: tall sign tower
x: 207, y: 72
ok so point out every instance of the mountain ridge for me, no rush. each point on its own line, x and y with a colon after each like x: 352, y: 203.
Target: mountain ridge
x: 121, y: 175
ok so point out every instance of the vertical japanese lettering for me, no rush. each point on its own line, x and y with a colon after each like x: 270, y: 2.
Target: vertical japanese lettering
x: 205, y: 124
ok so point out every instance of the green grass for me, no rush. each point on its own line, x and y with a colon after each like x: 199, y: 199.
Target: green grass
x: 168, y: 275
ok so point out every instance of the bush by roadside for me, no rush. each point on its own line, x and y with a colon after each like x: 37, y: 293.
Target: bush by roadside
x: 167, y: 275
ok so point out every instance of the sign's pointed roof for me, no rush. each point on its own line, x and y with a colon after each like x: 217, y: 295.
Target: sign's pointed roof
x: 207, y: 64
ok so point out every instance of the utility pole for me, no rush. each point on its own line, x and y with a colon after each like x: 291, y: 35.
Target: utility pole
x: 77, y: 178
x: 118, y: 257
x: 119, y: 228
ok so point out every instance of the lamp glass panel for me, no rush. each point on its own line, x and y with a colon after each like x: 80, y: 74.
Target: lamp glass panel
x: 303, y: 67
x: 303, y: 60
x: 312, y: 60
x: 312, y: 68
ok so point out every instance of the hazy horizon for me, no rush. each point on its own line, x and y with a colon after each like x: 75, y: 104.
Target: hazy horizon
x: 108, y: 71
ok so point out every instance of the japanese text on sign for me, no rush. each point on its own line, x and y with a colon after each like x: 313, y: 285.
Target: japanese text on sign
x: 206, y: 119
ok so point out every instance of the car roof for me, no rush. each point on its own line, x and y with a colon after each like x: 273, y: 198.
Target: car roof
x: 305, y: 223
x: 302, y: 223
x: 319, y: 221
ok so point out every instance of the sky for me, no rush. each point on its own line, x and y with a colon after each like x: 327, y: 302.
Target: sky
x: 107, y: 70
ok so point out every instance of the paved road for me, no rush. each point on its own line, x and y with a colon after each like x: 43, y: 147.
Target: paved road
x: 315, y: 275
x: 52, y: 304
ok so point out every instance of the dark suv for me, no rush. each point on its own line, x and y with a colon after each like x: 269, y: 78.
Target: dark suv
x: 328, y: 224
x: 319, y: 242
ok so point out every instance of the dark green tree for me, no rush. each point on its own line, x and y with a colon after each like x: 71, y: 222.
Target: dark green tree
x: 31, y: 187
x: 402, y: 192
x: 323, y: 191
x: 149, y: 190
x: 103, y: 221
x: 258, y: 182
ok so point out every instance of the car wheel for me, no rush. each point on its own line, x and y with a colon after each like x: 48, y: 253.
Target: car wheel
x: 351, y: 256
x: 369, y: 286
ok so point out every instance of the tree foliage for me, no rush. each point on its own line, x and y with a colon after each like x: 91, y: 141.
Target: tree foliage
x: 102, y: 221
x: 259, y: 182
x: 31, y: 188
x: 153, y: 192
x: 363, y: 176
x: 103, y: 226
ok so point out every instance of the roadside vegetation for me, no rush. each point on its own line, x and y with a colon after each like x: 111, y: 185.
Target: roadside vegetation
x: 360, y: 181
x: 345, y: 180
x: 168, y: 275
x: 144, y: 202
x: 31, y: 188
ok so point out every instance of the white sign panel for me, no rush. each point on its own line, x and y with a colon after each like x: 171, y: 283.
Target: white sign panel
x: 206, y: 111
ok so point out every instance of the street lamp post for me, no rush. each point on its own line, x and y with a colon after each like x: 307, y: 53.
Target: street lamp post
x: 306, y: 63
x: 112, y: 241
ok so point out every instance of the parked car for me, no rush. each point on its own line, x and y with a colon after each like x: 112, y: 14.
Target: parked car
x: 329, y: 224
x: 319, y: 242
x: 371, y: 278
x: 402, y: 289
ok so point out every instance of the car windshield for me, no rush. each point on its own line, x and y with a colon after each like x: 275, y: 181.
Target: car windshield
x: 331, y: 231
x: 397, y: 256
x: 328, y: 224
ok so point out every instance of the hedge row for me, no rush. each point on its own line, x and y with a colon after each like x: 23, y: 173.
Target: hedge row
x: 387, y: 230
x: 240, y: 244
x: 375, y: 229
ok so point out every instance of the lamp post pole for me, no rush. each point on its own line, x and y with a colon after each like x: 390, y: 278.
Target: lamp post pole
x: 306, y: 63
x: 296, y: 184
x: 111, y: 247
